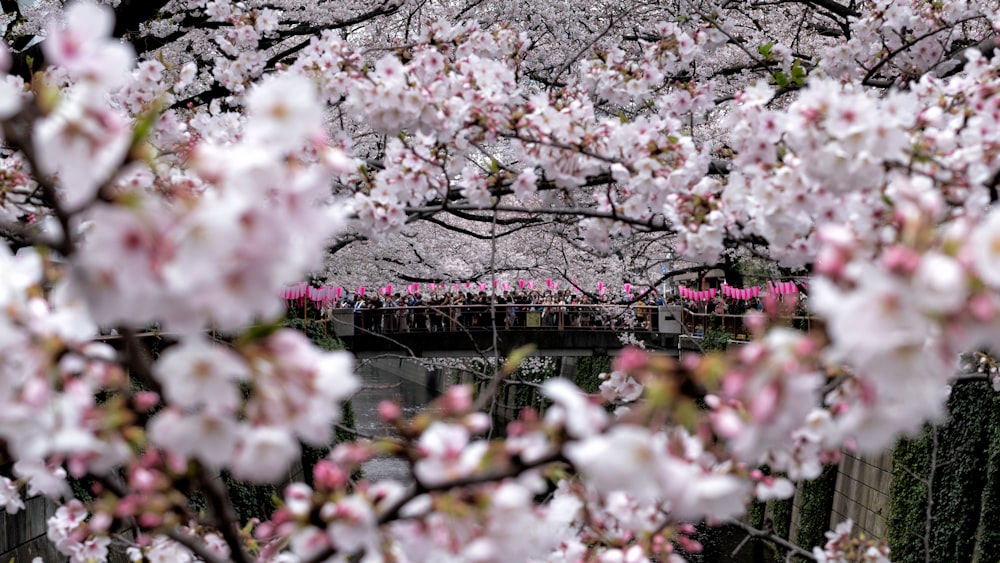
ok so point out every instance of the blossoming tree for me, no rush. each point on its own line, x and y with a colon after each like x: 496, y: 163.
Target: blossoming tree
x: 178, y: 161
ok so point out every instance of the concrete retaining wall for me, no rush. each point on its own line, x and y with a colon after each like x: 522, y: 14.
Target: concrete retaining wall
x: 414, y: 372
x: 22, y: 535
x: 862, y: 493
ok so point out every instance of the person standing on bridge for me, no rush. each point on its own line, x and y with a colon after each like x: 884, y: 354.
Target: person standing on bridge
x: 549, y: 315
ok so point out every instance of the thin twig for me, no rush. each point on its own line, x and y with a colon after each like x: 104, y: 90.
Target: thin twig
x: 224, y: 515
x: 774, y: 538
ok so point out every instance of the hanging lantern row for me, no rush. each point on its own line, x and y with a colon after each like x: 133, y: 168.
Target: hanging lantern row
x: 741, y: 293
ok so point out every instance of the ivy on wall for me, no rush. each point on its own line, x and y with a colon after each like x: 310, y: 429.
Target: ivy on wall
x: 908, y: 499
x: 250, y: 500
x: 755, y: 513
x: 781, y: 514
x: 963, y: 480
x: 317, y: 329
x: 988, y: 548
x: 588, y: 368
x: 816, y: 507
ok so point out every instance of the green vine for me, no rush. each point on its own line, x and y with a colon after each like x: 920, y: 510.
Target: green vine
x: 781, y: 514
x: 964, y: 482
x: 250, y: 500
x: 908, y: 499
x: 989, y: 518
x: 317, y: 330
x: 716, y: 339
x: 588, y: 368
x: 755, y: 514
x: 816, y: 507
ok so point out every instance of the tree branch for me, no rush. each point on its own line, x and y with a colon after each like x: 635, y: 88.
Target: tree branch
x: 775, y: 539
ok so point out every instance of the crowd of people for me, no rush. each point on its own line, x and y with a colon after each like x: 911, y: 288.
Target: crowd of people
x: 448, y: 311
x: 456, y: 310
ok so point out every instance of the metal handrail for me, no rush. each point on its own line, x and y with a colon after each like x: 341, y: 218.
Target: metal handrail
x: 581, y: 317
x: 511, y: 317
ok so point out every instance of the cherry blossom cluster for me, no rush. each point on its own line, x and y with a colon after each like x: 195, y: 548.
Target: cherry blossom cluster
x: 870, y: 159
x: 842, y: 548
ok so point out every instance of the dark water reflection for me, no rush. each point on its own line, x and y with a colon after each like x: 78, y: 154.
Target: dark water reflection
x: 380, y: 386
x: 721, y: 544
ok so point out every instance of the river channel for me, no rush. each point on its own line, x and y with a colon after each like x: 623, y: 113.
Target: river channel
x: 379, y: 386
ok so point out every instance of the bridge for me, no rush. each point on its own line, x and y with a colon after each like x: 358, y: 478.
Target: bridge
x: 560, y: 330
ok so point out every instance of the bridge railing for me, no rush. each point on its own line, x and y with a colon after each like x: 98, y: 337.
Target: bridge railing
x: 513, y: 317
x: 589, y: 317
x: 458, y: 318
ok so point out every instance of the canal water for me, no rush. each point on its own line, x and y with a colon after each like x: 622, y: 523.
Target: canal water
x: 379, y: 386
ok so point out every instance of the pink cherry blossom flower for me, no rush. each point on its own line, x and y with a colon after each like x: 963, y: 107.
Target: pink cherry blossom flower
x: 283, y: 112
x: 198, y: 374
x: 10, y: 499
x: 264, y: 454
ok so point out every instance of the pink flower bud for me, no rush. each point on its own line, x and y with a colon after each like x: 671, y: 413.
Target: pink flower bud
x: 142, y: 479
x: 631, y: 359
x: 900, y: 259
x: 389, y: 411
x: 329, y: 475
x: 145, y: 400
x: 100, y: 522
x: 982, y: 308
x: 150, y: 519
x: 458, y: 398
x: 477, y: 422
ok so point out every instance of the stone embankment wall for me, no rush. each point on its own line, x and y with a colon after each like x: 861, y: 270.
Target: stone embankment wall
x: 862, y: 493
x: 22, y: 535
x: 436, y: 380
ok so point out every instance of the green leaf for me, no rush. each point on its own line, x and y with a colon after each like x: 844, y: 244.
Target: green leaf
x: 798, y: 73
x: 258, y: 332
x: 765, y: 50
x: 516, y: 357
x: 144, y: 124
